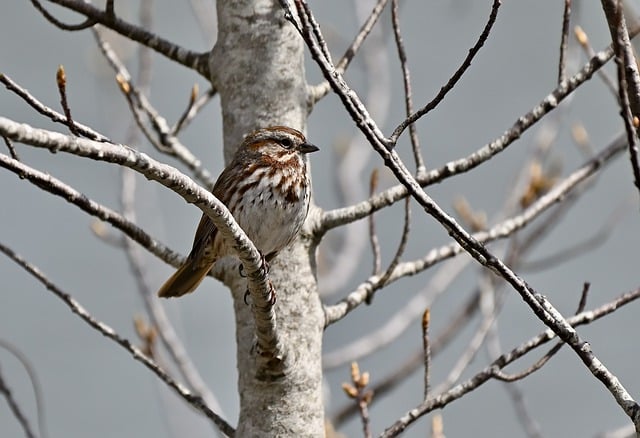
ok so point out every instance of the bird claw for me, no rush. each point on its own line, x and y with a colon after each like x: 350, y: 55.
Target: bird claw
x: 264, y: 262
x: 266, y: 267
x: 272, y: 295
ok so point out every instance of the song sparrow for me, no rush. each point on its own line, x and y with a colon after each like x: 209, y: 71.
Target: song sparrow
x: 266, y: 188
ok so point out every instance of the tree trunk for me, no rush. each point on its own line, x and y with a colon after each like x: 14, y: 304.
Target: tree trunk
x: 257, y: 66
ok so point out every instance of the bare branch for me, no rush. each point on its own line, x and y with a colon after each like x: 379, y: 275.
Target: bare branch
x: 53, y: 20
x: 193, y: 108
x: 503, y: 229
x: 155, y: 309
x: 402, y: 55
x: 80, y: 200
x: 12, y: 149
x: 15, y: 408
x: 538, y: 304
x: 427, y: 352
x: 195, y: 401
x: 385, y: 384
x: 544, y: 359
x: 564, y: 41
x: 343, y: 252
x: 373, y: 237
x: 196, y: 61
x: 628, y: 79
x: 404, y: 238
x: 61, y: 80
x: 566, y: 254
x: 583, y: 40
x: 161, y: 325
x: 52, y: 115
x: 165, y: 142
x: 319, y: 91
x: 621, y: 42
x: 441, y: 400
x: 358, y: 391
x: 334, y: 218
x: 452, y: 81
x: 35, y: 383
x: 258, y: 281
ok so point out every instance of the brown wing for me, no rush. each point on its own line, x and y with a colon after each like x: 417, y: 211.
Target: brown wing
x: 207, y: 231
x: 201, y: 258
x: 203, y: 240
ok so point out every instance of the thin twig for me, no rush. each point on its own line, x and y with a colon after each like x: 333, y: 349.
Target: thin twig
x: 80, y: 200
x: 61, y: 80
x: 193, y: 96
x: 500, y: 375
x: 564, y: 41
x: 155, y: 310
x: 500, y: 230
x: 566, y: 254
x: 621, y: 42
x: 404, y: 239
x: 197, y: 106
x: 195, y: 401
x: 373, y: 237
x: 196, y: 61
x: 165, y: 142
x: 628, y: 82
x: 267, y: 335
x: 109, y: 9
x: 319, y: 91
x: 537, y: 303
x: 403, y: 319
x: 15, y: 408
x: 406, y: 78
x: 51, y: 114
x: 441, y: 400
x: 583, y: 40
x: 341, y: 216
x: 357, y: 390
x: 426, y: 352
x: 12, y: 149
x: 59, y: 24
x: 454, y: 78
x: 35, y: 384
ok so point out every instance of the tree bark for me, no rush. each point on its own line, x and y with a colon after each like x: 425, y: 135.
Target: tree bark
x: 257, y: 65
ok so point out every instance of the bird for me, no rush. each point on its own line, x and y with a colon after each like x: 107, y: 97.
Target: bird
x: 267, y: 189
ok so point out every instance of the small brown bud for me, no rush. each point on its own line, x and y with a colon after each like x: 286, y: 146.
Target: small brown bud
x: 355, y: 372
x: 581, y: 36
x: 61, y: 76
x: 123, y: 84
x: 350, y: 390
x: 195, y: 90
x: 364, y: 380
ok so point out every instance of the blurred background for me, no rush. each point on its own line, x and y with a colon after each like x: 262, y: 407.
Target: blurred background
x: 92, y: 387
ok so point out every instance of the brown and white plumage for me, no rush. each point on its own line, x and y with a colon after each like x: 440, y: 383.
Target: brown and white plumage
x: 267, y: 189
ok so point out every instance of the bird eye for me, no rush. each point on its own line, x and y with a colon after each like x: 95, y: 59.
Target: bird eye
x: 286, y: 143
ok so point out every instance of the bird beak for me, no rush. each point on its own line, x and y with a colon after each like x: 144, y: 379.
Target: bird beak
x: 306, y: 148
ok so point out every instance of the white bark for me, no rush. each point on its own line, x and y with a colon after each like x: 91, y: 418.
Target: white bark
x: 257, y: 65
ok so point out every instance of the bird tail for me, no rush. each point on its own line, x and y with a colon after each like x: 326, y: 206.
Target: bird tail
x: 185, y: 279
